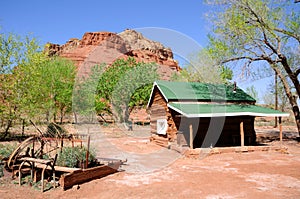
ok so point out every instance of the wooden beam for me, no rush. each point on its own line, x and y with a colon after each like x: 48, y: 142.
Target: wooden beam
x: 82, y: 176
x: 87, y: 152
x: 66, y: 169
x: 242, y: 133
x: 191, y: 137
x: 280, y: 130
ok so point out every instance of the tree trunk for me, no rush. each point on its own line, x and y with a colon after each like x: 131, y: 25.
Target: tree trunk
x: 23, y: 127
x: 276, y: 98
x: 126, y: 114
x: 75, y: 117
x: 61, y: 115
x: 54, y: 117
x: 47, y: 116
x: 9, y: 123
x: 291, y: 74
x: 291, y: 98
x: 297, y: 117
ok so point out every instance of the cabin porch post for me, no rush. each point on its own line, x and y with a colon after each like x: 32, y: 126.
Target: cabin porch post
x: 191, y: 137
x: 242, y: 133
x: 280, y: 130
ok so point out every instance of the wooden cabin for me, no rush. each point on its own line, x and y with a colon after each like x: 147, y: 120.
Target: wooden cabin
x: 201, y: 115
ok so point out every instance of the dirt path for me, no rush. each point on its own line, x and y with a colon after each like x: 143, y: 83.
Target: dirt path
x: 266, y: 174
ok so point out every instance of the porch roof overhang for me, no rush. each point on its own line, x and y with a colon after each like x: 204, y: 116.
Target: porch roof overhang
x: 195, y: 110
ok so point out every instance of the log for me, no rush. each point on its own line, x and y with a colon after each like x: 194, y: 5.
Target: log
x: 36, y: 160
x: 67, y: 181
x: 160, y: 143
x: 57, y: 168
x: 157, y: 137
x: 65, y: 169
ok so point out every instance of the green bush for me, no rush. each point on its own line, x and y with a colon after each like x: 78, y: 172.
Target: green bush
x: 6, y: 150
x: 74, y: 156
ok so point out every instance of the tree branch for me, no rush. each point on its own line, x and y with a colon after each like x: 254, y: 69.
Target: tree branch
x: 266, y: 41
x: 297, y: 72
x: 291, y: 34
x: 251, y: 52
x: 258, y: 44
x: 251, y: 59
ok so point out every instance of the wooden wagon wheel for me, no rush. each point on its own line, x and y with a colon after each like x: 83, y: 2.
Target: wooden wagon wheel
x: 15, y: 154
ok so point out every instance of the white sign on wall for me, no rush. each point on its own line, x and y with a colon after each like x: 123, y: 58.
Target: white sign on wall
x: 162, y: 126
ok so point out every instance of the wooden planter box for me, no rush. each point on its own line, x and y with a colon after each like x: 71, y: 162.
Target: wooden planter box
x: 68, y: 180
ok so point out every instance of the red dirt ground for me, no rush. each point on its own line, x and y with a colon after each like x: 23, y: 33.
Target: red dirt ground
x: 258, y: 174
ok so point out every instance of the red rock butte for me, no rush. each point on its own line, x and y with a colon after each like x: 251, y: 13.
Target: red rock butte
x: 106, y: 47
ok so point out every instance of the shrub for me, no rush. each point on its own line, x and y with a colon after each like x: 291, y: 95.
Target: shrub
x: 6, y: 150
x: 74, y: 156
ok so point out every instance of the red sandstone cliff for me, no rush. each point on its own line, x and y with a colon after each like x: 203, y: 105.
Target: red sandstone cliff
x: 106, y: 47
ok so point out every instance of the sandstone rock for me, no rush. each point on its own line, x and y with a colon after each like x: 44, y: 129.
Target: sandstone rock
x: 96, y: 48
x: 106, y: 47
x: 105, y: 53
x: 94, y: 38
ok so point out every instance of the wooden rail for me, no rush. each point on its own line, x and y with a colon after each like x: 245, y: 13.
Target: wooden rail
x: 38, y: 163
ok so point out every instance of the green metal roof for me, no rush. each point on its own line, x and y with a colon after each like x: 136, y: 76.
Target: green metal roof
x: 201, y: 92
x: 191, y: 110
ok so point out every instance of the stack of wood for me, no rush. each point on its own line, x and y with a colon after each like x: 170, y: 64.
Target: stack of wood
x: 161, y: 141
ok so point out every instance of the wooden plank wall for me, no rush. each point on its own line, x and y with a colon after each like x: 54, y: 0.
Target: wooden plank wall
x: 230, y: 132
x: 160, y: 110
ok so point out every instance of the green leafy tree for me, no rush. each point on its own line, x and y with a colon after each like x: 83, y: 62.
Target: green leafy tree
x: 283, y: 101
x: 203, y: 68
x: 252, y: 92
x: 256, y: 34
x: 108, y: 81
x: 126, y: 83
x: 133, y: 89
x: 44, y: 87
x: 58, y: 75
x: 15, y: 51
x: 85, y: 99
x: 114, y: 90
x: 32, y: 83
x: 269, y: 99
x: 11, y: 46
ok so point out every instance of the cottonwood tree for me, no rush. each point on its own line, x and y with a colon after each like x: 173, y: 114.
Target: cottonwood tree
x: 202, y: 67
x: 250, y: 33
x: 252, y: 92
x: 133, y: 89
x: 32, y: 84
x: 14, y: 52
x: 43, y: 87
x: 86, y: 102
x: 57, y: 76
x: 114, y: 89
x: 282, y: 100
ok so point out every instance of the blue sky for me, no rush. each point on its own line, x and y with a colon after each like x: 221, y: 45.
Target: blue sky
x: 58, y: 21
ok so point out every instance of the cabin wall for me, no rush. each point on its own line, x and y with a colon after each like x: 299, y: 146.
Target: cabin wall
x: 160, y: 110
x: 217, y: 131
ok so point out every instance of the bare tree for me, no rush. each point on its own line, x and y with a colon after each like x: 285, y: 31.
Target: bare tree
x: 254, y: 32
